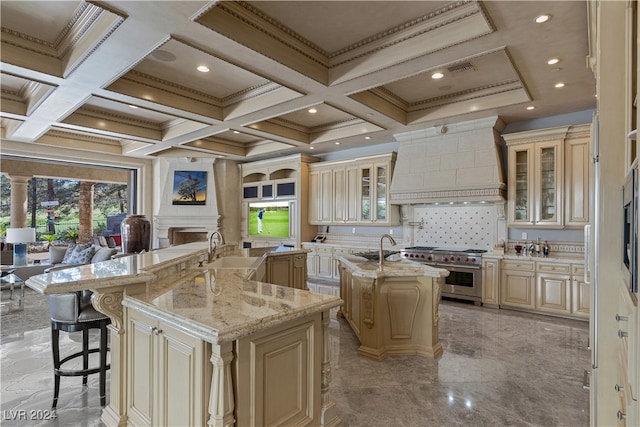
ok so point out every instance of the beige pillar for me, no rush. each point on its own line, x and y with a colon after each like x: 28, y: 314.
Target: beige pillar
x: 19, y: 198
x: 85, y: 203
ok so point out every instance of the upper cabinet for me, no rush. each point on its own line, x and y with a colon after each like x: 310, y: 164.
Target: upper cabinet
x: 549, y: 177
x: 354, y: 191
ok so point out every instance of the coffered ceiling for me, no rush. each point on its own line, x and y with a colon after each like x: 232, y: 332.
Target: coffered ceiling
x: 121, y: 77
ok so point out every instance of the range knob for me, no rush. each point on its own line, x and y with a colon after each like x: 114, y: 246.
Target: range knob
x: 429, y: 257
x: 473, y: 260
x: 445, y: 259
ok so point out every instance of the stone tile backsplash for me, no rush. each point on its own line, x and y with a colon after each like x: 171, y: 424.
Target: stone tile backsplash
x: 457, y: 226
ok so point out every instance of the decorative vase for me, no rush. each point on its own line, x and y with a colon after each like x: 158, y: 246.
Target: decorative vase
x: 136, y: 234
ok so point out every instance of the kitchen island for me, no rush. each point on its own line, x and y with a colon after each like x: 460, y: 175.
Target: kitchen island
x: 392, y: 309
x: 194, y: 343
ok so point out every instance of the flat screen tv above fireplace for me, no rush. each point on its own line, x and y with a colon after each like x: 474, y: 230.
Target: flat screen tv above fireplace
x: 269, y: 219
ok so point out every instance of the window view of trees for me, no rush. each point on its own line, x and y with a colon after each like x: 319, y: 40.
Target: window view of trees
x: 62, y: 219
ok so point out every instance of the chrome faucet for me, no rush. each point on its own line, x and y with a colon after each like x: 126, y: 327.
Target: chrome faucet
x: 381, y: 255
x: 213, y: 246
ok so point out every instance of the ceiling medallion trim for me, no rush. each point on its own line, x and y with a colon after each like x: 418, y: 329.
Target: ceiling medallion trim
x: 251, y: 92
x: 161, y: 84
x: 464, y: 93
x: 406, y: 26
x: 403, y: 33
x: 98, y: 113
x: 392, y: 98
x: 87, y: 137
x: 313, y: 52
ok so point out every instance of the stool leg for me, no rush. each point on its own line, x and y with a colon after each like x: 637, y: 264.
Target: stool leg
x: 85, y: 353
x: 103, y: 362
x: 55, y: 346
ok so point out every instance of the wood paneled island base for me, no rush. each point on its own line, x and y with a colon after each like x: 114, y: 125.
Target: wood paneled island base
x: 393, y: 310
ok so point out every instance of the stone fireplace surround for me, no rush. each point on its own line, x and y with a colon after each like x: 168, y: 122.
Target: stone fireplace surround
x: 179, y: 224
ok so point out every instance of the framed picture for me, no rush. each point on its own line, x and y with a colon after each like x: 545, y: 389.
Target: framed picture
x: 189, y: 187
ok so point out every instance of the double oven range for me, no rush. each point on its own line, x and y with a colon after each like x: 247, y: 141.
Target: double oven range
x: 464, y: 265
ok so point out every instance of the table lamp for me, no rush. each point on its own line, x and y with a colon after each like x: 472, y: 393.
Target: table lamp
x: 20, y: 237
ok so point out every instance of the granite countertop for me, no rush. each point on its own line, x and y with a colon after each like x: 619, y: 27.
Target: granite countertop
x: 577, y: 258
x: 215, y: 304
x: 364, y: 267
x: 220, y: 304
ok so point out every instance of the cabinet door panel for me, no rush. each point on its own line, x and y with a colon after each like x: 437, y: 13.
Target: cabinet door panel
x: 490, y: 282
x: 141, y: 361
x: 553, y: 293
x: 517, y: 289
x: 181, y: 376
x: 580, y: 298
x: 577, y: 182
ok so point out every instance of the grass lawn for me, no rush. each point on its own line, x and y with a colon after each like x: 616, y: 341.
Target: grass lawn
x: 275, y: 223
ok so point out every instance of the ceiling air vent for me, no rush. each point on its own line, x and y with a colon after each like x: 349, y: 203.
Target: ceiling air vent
x: 464, y: 66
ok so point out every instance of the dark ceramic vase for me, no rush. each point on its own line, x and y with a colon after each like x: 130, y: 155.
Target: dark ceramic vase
x: 136, y: 234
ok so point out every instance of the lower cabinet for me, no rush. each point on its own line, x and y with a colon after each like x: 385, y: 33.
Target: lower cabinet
x: 319, y: 262
x: 491, y: 282
x: 167, y: 374
x: 517, y: 286
x: 278, y: 375
x: 287, y: 270
x: 545, y: 287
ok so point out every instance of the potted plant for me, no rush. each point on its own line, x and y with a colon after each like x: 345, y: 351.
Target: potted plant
x: 72, y: 235
x: 50, y: 238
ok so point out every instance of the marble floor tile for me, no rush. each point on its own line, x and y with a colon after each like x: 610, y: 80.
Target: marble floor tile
x: 499, y: 368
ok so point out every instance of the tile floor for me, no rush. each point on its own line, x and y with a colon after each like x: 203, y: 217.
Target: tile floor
x: 499, y: 368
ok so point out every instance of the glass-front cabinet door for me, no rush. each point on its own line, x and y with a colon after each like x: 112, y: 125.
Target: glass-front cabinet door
x: 535, y: 190
x: 548, y: 194
x: 365, y: 194
x: 373, y: 192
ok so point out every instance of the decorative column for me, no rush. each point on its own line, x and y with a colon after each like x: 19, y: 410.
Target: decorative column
x: 328, y: 415
x: 221, y: 401
x: 85, y: 205
x: 19, y: 200
x: 110, y: 303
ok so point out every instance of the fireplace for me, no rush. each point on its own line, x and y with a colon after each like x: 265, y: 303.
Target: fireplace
x: 180, y: 236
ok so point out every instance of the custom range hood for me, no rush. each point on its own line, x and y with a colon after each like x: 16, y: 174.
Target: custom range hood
x: 461, y: 162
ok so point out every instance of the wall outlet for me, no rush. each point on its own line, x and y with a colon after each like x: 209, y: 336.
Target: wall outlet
x: 391, y: 231
x: 525, y: 236
x: 353, y: 230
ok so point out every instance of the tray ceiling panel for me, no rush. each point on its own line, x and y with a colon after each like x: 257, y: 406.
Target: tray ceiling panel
x: 75, y: 70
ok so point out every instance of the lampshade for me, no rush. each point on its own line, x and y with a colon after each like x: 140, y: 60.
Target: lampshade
x: 21, y: 235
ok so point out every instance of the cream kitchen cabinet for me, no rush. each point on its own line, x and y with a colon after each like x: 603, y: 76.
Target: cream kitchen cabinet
x: 577, y: 174
x: 320, y: 196
x: 549, y: 177
x: 490, y: 282
x: 553, y: 288
x: 287, y: 270
x: 319, y: 261
x: 517, y: 284
x: 167, y: 374
x: 580, y: 292
x: 354, y: 191
x: 373, y: 193
x: 345, y: 202
x: 535, y: 184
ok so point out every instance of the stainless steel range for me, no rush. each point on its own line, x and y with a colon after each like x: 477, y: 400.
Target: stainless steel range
x: 464, y: 265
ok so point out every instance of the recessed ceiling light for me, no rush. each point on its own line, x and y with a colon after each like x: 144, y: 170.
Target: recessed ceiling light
x: 133, y: 106
x: 337, y: 142
x: 312, y: 148
x: 542, y: 18
x: 531, y: 107
x: 235, y: 131
x: 203, y: 68
x: 312, y: 110
x: 559, y: 85
x: 367, y: 137
x: 553, y: 61
x: 437, y: 75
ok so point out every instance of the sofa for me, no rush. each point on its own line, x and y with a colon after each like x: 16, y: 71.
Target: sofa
x: 74, y: 255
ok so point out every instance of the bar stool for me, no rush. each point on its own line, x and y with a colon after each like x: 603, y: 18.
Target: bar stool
x: 73, y: 312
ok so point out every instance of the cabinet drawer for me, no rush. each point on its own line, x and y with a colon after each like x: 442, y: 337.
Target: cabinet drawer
x: 554, y: 267
x: 577, y: 269
x: 510, y: 264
